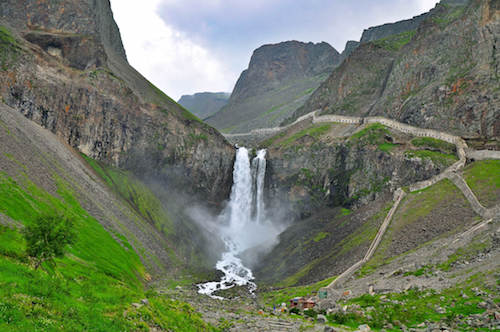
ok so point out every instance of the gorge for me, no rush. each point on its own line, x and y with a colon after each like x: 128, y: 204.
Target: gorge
x: 364, y: 183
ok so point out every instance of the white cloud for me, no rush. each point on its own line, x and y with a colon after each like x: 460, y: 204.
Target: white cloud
x: 167, y: 57
x: 426, y: 5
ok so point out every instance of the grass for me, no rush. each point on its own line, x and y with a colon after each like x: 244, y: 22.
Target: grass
x: 387, y: 147
x: 434, y: 144
x: 449, y: 16
x: 416, y: 205
x: 395, y: 42
x: 483, y: 177
x: 441, y: 159
x: 315, y: 131
x: 373, y: 134
x: 270, y: 141
x: 320, y: 236
x: 91, y: 288
x: 135, y: 193
x: 9, y: 48
x: 414, y: 307
x: 466, y: 253
x: 276, y: 297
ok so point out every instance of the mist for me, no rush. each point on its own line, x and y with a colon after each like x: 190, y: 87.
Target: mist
x: 244, y: 225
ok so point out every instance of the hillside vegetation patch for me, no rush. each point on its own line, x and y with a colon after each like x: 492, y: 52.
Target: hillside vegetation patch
x: 483, y: 177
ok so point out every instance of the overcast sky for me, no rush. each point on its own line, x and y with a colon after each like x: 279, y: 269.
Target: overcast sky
x: 188, y: 46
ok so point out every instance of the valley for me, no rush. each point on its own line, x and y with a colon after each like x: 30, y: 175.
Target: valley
x: 350, y: 191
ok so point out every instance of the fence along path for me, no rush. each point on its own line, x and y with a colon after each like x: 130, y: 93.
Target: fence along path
x: 451, y: 172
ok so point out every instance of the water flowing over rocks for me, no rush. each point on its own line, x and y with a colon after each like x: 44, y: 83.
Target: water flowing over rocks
x: 243, y: 223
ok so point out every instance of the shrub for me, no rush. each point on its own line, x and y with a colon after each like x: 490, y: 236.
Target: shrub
x: 47, y: 237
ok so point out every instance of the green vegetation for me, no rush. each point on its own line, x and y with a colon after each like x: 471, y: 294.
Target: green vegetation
x: 90, y: 288
x: 320, y: 236
x: 276, y: 297
x: 448, y: 16
x: 345, y: 212
x: 441, y: 159
x: 414, y: 307
x: 434, y: 144
x: 135, y: 193
x: 387, y: 147
x: 416, y: 205
x: 395, y: 42
x: 465, y: 253
x: 9, y: 48
x: 270, y: 141
x: 366, y: 233
x: 483, y: 177
x: 374, y: 134
x: 47, y: 237
x: 314, y: 131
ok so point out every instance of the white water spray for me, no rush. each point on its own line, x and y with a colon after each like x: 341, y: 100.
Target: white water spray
x: 245, y: 223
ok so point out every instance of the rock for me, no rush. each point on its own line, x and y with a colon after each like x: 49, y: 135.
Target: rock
x: 370, y: 290
x: 145, y: 301
x: 421, y: 325
x: 496, y: 314
x: 321, y: 319
x: 273, y: 67
x: 364, y: 328
x: 482, y: 305
x: 329, y: 329
x: 136, y: 305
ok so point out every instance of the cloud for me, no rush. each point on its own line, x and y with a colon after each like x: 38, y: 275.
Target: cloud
x: 165, y: 55
x: 187, y: 46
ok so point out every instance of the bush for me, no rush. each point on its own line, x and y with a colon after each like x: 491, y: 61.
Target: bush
x: 295, y: 311
x: 47, y: 237
x: 310, y: 313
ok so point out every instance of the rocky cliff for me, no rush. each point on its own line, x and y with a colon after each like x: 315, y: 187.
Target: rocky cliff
x: 204, y: 104
x: 278, y: 80
x: 442, y: 75
x: 64, y: 67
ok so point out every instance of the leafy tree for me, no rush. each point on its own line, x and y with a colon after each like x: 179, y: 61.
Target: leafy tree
x: 47, y: 237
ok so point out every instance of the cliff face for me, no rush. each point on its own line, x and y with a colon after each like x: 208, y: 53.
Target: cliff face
x: 389, y: 29
x: 204, y: 104
x: 64, y: 67
x: 443, y: 75
x: 278, y: 80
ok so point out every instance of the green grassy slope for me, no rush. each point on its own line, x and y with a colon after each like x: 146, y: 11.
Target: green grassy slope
x: 92, y: 288
x: 483, y: 177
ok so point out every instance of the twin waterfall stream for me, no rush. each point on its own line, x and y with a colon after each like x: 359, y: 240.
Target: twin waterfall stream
x: 245, y: 223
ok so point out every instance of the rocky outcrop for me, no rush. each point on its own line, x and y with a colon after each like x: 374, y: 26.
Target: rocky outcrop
x: 389, y: 29
x: 204, y: 104
x: 443, y: 75
x: 278, y: 80
x: 68, y: 72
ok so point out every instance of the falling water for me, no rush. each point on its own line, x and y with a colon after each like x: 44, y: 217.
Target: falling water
x: 245, y: 224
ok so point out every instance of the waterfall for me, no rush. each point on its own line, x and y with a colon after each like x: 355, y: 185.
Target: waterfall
x: 260, y: 169
x: 244, y: 223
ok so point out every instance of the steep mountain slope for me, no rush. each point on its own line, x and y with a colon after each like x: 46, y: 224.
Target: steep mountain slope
x: 442, y: 75
x: 278, y: 80
x: 64, y: 67
x: 204, y: 104
x: 119, y: 247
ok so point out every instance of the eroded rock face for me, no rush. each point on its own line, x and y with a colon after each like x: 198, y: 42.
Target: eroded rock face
x: 70, y: 75
x: 443, y: 75
x: 278, y: 80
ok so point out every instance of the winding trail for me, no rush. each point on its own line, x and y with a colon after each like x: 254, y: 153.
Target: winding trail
x: 452, y: 173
